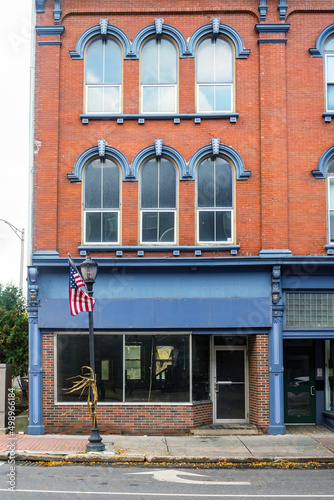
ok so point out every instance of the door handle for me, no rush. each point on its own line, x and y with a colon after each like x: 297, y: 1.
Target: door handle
x: 312, y: 390
x: 216, y: 387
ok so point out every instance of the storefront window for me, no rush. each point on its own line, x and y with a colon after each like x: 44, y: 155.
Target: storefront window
x: 330, y: 375
x: 157, y: 368
x: 201, y: 367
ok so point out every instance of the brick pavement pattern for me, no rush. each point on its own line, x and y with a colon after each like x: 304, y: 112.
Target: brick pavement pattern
x: 24, y: 443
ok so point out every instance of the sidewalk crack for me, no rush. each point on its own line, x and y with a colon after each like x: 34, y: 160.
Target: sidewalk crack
x: 245, y: 446
x: 166, y: 444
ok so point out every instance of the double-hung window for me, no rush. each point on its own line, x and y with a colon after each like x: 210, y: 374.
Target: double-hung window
x: 329, y: 71
x: 330, y: 180
x: 101, y: 202
x: 214, y: 75
x: 214, y: 201
x: 158, y: 76
x: 103, y: 76
x: 158, y: 201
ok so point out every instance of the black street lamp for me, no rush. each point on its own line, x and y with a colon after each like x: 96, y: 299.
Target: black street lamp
x: 88, y: 269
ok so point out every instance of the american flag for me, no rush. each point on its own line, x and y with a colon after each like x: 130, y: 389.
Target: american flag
x: 80, y: 301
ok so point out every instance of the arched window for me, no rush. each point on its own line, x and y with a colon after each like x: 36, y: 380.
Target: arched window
x: 103, y: 76
x: 215, y: 201
x: 158, y: 74
x: 214, y: 76
x: 330, y: 177
x: 329, y: 72
x: 158, y: 201
x: 101, y: 204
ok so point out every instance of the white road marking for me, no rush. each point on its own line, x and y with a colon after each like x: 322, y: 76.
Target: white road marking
x: 164, y: 495
x: 1, y: 463
x: 173, y: 476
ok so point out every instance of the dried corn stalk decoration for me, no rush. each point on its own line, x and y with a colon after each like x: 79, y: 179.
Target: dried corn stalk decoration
x: 83, y: 382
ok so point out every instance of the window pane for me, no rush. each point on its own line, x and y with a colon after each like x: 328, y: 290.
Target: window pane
x: 113, y: 62
x: 205, y: 62
x: 223, y: 183
x: 223, y: 61
x: 330, y: 44
x: 214, y: 61
x: 167, y: 184
x: 206, y: 226
x: 205, y: 184
x: 201, y: 367
x: 149, y: 227
x: 167, y: 62
x: 166, y: 227
x: 163, y: 364
x: 73, y: 353
x: 93, y: 227
x: 330, y: 96
x: 150, y: 99
x: 94, y: 62
x: 331, y: 193
x: 223, y: 226
x: 167, y: 103
x: 330, y: 167
x: 149, y: 62
x: 331, y: 226
x: 111, y: 99
x: 109, y: 227
x: 149, y: 185
x: 93, y: 185
x: 222, y: 100
x: 206, y: 98
x: 110, y: 180
x: 330, y: 68
x: 95, y: 100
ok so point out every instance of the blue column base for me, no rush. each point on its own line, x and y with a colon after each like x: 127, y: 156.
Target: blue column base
x: 35, y: 430
x: 275, y: 430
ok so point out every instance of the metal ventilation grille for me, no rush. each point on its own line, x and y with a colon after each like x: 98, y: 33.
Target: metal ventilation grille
x: 310, y: 310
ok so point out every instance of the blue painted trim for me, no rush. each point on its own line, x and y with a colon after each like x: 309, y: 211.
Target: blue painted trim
x: 93, y: 31
x: 327, y: 116
x: 57, y: 12
x: 272, y: 28
x: 224, y: 29
x: 167, y: 30
x: 262, y: 8
x: 49, y: 43
x: 172, y: 248
x: 321, y: 171
x: 176, y: 116
x: 275, y: 253
x: 276, y: 380
x: 40, y: 6
x: 115, y: 154
x: 308, y: 334
x: 282, y: 8
x: 318, y: 50
x: 167, y: 151
x: 272, y: 40
x: 50, y: 30
x: 241, y: 173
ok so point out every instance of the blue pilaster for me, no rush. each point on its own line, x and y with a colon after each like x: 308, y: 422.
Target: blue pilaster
x: 276, y: 379
x: 35, y: 426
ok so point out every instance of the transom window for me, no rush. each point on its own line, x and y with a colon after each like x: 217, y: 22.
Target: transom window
x: 158, y: 76
x: 214, y: 74
x: 103, y: 76
x: 158, y: 201
x: 330, y: 176
x: 101, y: 202
x: 214, y: 201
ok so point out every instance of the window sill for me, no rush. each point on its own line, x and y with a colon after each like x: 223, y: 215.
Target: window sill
x: 329, y: 249
x: 327, y: 116
x: 176, y: 117
x: 173, y: 248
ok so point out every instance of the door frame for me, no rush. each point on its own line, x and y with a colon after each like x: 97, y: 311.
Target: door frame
x: 246, y: 386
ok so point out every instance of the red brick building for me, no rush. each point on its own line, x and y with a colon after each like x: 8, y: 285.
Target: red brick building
x: 189, y: 148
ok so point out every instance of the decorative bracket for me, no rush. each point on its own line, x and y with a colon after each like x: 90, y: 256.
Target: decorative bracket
x: 32, y: 298
x: 158, y: 143
x: 158, y: 21
x: 101, y: 146
x: 282, y: 8
x: 215, y: 26
x: 40, y: 6
x: 276, y: 291
x: 215, y: 143
x: 262, y: 8
x: 57, y: 12
x: 104, y: 28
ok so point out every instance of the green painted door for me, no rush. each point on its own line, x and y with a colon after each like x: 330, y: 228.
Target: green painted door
x: 299, y: 385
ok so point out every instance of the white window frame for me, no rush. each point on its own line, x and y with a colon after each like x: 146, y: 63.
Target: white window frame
x: 327, y: 55
x: 157, y: 211
x: 330, y: 179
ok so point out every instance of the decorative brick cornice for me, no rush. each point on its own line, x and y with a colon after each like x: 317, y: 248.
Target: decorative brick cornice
x: 272, y: 28
x: 50, y: 30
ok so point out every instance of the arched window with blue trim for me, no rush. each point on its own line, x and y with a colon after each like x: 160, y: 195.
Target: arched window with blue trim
x: 214, y: 75
x: 101, y: 201
x: 215, y: 200
x: 330, y: 197
x: 158, y: 75
x: 103, y: 76
x: 329, y: 73
x: 158, y: 201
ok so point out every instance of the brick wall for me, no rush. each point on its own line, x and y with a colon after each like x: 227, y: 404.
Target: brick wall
x: 259, y: 381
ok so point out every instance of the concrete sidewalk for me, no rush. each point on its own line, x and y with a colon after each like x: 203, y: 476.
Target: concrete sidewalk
x: 318, y: 447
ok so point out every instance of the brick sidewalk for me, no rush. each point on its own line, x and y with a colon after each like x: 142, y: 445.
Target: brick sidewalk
x: 24, y: 443
x: 328, y: 442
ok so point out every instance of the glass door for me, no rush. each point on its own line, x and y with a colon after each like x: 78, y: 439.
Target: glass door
x: 299, y: 383
x: 230, y: 384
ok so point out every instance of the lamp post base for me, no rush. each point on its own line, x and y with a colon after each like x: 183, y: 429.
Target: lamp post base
x: 95, y: 441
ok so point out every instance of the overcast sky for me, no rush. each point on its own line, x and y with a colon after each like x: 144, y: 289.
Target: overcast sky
x: 15, y: 34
